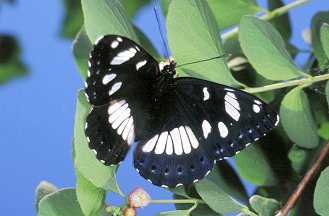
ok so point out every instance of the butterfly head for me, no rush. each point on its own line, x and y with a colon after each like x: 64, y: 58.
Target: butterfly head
x: 167, y: 68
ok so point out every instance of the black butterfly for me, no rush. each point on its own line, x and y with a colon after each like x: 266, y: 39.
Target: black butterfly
x: 183, y: 125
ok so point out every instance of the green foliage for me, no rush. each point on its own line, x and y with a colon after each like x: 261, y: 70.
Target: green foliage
x: 321, y: 198
x: 73, y: 19
x: 297, y: 119
x: 60, y: 203
x: 44, y: 188
x: 275, y: 164
x: 10, y: 63
x: 264, y: 206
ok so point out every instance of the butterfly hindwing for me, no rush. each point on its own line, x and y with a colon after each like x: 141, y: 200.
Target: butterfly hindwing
x: 200, y: 122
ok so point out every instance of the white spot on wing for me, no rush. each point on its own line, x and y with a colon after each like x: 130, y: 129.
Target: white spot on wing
x: 150, y: 144
x: 169, y: 146
x: 140, y: 64
x: 206, y: 128
x: 122, y: 126
x: 232, y: 111
x: 222, y: 129
x: 119, y: 39
x: 194, y: 141
x: 114, y: 44
x: 123, y: 56
x: 185, y: 141
x: 205, y: 94
x: 257, y: 102
x: 108, y: 78
x: 175, y: 135
x: 115, y: 88
x: 117, y: 113
x: 113, y: 107
x: 121, y: 118
x: 231, y: 98
x: 277, y: 121
x: 256, y: 108
x: 161, y: 144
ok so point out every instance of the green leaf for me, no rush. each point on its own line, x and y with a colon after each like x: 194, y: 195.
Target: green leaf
x: 216, y: 198
x: 10, y: 63
x: 81, y: 49
x: 264, y: 206
x: 90, y: 197
x: 282, y: 22
x: 321, y: 198
x: 104, y: 17
x: 271, y: 59
x: 44, y: 188
x: 324, y: 37
x: 327, y: 92
x: 85, y: 161
x: 165, y: 6
x: 180, y: 190
x: 229, y: 13
x: 226, y: 178
x: 73, y: 18
x: 317, y: 22
x: 131, y: 7
x: 196, y: 39
x: 298, y: 157
x: 175, y: 213
x: 297, y: 119
x: 62, y: 202
x: 253, y: 166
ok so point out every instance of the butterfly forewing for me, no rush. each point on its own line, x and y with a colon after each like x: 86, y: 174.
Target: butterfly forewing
x: 202, y: 122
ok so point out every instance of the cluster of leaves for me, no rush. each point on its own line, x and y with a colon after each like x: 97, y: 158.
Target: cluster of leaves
x: 276, y: 163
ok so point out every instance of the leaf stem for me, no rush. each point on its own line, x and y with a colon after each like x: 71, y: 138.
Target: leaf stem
x: 178, y: 201
x: 268, y: 16
x: 300, y: 188
x: 304, y: 81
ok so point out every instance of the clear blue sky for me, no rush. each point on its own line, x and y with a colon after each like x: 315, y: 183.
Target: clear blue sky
x: 37, y: 111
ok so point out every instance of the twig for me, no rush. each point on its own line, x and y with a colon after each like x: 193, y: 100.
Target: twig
x: 300, y: 188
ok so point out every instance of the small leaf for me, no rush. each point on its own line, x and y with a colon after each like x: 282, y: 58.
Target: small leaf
x: 81, y: 49
x: 254, y: 167
x: 298, y: 157
x: 271, y: 59
x: 175, y: 213
x: 44, y: 188
x: 264, y: 206
x: 216, y: 198
x: 73, y: 19
x: 104, y: 17
x: 282, y: 22
x: 229, y: 13
x: 324, y: 37
x: 321, y: 198
x: 297, y: 119
x: 90, y: 197
x: 62, y: 202
x: 196, y: 39
x: 317, y: 21
x: 226, y: 178
x: 85, y: 161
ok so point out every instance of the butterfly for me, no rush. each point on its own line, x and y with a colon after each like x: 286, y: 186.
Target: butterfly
x: 182, y: 125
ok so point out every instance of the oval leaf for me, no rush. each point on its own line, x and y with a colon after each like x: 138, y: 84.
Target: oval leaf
x: 85, y: 161
x: 196, y: 39
x: 62, y: 202
x: 265, y: 49
x: 321, y: 198
x: 317, y: 22
x: 324, y: 37
x: 297, y: 119
x: 44, y: 188
x: 81, y: 49
x: 216, y: 198
x: 106, y: 17
x: 254, y: 167
x: 229, y: 13
x: 264, y: 206
x: 90, y: 197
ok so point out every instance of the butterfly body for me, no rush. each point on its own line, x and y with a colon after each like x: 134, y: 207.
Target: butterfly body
x: 182, y: 125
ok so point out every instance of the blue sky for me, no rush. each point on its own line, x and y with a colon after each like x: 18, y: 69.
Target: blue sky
x: 37, y: 111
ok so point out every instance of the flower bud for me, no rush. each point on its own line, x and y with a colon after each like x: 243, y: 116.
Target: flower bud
x: 129, y: 211
x: 139, y: 198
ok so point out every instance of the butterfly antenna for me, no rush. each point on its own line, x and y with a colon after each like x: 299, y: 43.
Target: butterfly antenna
x: 165, y: 43
x: 217, y: 57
